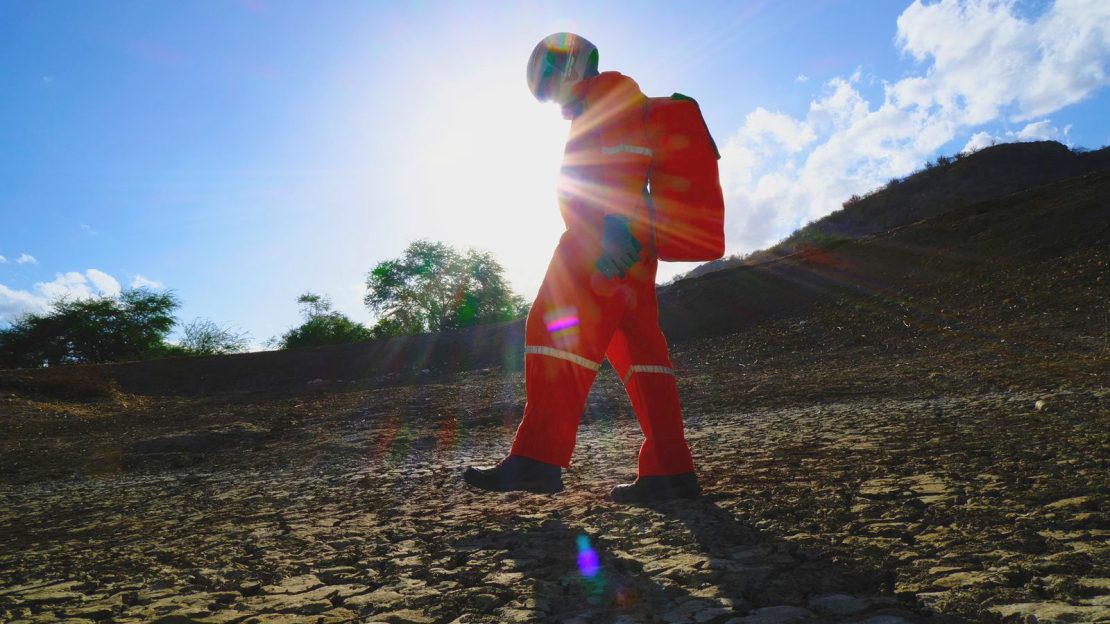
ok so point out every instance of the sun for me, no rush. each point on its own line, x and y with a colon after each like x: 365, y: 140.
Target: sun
x: 483, y: 164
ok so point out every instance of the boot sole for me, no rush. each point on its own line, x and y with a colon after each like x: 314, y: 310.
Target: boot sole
x: 639, y: 499
x: 494, y: 486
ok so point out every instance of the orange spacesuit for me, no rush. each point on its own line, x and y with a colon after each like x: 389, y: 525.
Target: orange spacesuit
x: 580, y: 316
x: 598, y: 297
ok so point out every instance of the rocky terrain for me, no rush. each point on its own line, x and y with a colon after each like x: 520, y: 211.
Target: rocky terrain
x: 917, y: 431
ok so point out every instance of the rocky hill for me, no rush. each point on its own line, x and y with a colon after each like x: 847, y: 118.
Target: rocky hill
x: 902, y: 264
x: 950, y: 183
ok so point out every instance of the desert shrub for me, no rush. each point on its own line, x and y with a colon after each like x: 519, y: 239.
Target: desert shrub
x: 132, y: 325
x: 322, y: 326
x: 206, y: 337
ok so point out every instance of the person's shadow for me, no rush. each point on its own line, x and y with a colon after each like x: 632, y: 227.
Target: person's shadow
x: 698, y: 562
x: 768, y: 572
x: 578, y: 575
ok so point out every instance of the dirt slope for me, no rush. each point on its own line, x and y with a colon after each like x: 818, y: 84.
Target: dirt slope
x: 988, y: 175
x: 908, y: 428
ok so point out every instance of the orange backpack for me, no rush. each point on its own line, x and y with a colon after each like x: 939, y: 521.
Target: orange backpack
x: 685, y: 200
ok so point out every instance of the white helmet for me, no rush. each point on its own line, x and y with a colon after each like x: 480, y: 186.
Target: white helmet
x: 559, y: 61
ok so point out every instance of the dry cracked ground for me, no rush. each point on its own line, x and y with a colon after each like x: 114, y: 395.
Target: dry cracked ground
x: 862, y: 467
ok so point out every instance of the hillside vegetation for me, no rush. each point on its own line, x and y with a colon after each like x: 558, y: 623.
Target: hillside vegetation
x: 950, y: 183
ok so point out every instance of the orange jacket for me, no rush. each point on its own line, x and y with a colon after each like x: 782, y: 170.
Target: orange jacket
x: 607, y: 157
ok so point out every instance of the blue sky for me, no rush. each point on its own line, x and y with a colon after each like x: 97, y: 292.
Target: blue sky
x: 241, y: 153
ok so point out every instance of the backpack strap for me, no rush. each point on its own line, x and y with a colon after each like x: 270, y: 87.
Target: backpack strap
x: 647, y: 180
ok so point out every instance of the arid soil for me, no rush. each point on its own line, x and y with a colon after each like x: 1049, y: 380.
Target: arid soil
x: 912, y: 428
x: 860, y: 466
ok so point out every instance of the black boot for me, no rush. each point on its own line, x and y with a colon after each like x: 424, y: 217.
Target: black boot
x: 517, y: 473
x: 650, y: 489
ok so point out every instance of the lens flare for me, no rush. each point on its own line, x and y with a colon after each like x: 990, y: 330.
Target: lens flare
x: 588, y: 563
x: 448, y: 433
x: 386, y: 437
x: 562, y: 324
x: 561, y: 320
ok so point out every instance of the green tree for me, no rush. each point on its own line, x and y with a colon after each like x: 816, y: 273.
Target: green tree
x: 433, y: 287
x: 132, y: 325
x: 206, y: 337
x: 322, y: 325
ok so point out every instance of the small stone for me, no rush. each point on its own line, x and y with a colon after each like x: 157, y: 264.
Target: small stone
x: 518, y: 616
x: 879, y: 489
x: 485, y: 602
x: 710, y: 614
x: 93, y: 612
x: 685, y: 611
x: 939, y: 570
x: 1094, y: 586
x: 377, y: 599
x: 837, y: 604
x: 884, y: 619
x: 777, y: 615
x: 404, y: 616
x: 1068, y: 503
x: 1040, y: 405
x: 963, y: 579
x: 295, y: 585
x: 1053, y: 612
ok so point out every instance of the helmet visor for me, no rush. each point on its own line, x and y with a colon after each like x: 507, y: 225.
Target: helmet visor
x: 552, y: 68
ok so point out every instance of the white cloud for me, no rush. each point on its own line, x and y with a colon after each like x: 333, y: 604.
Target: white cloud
x: 106, y: 284
x: 1036, y: 131
x: 26, y: 259
x: 979, y: 140
x: 979, y: 63
x: 802, y: 78
x: 1042, y: 131
x: 69, y: 285
x: 143, y: 282
x: 3, y: 260
x: 15, y: 303
x: 989, y: 58
x: 792, y: 135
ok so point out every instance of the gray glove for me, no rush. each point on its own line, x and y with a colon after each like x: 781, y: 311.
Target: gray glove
x: 619, y: 249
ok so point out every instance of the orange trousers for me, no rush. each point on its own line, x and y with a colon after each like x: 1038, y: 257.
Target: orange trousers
x: 578, y: 318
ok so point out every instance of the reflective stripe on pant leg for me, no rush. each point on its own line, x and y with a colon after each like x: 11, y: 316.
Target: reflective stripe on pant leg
x: 654, y: 394
x: 647, y: 368
x: 568, y: 328
x: 557, y: 382
x: 557, y: 390
x: 562, y: 355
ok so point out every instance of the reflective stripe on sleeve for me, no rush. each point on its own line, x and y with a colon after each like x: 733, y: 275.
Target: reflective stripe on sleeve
x: 563, y: 355
x: 647, y: 368
x: 631, y: 149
